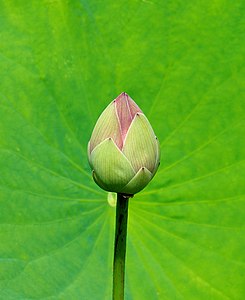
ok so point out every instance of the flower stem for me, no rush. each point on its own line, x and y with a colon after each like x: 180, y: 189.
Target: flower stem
x: 120, y: 246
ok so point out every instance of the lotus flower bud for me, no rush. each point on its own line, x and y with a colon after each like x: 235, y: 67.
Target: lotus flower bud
x: 123, y: 151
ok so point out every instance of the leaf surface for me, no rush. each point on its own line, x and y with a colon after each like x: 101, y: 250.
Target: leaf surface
x: 61, y: 63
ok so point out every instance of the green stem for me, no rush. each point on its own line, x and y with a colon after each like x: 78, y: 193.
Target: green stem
x: 120, y: 246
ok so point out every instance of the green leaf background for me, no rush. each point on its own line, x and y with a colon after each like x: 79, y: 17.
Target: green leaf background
x: 61, y: 63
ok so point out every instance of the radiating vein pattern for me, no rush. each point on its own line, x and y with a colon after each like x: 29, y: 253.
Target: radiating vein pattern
x: 61, y: 63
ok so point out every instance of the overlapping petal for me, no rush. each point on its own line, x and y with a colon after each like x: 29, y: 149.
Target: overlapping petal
x: 141, y: 146
x: 112, y: 170
x: 138, y: 182
x: 106, y: 126
x: 126, y: 109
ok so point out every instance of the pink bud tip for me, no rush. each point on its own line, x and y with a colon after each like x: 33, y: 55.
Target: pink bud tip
x: 126, y: 109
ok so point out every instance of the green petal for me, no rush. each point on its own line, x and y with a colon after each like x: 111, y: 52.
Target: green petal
x: 97, y: 181
x: 88, y: 153
x: 140, y: 146
x: 140, y: 180
x: 112, y: 170
x: 158, y: 155
x: 106, y: 126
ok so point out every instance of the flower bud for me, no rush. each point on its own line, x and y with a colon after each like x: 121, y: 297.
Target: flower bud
x: 123, y: 151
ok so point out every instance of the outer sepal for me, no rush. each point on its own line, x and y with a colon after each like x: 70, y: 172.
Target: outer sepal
x: 158, y: 156
x: 138, y: 182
